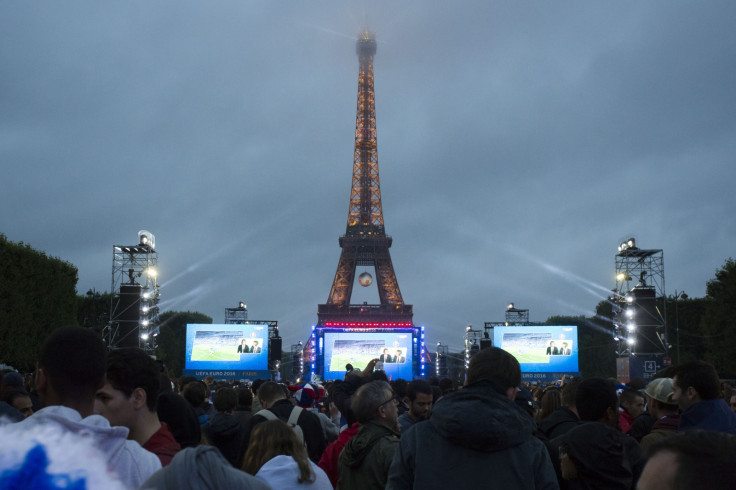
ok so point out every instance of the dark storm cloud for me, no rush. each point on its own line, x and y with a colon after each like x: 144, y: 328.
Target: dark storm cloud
x: 517, y: 143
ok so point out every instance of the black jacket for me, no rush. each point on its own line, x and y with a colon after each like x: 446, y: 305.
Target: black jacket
x: 559, y: 422
x: 473, y: 436
x: 225, y: 432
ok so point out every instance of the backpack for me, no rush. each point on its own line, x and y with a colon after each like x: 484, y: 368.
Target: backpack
x: 293, y: 417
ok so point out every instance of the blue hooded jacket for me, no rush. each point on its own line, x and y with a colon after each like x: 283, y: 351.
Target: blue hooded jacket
x: 714, y: 415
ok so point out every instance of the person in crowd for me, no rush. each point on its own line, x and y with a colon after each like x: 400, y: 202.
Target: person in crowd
x: 401, y: 388
x: 273, y: 398
x: 329, y: 460
x: 565, y: 417
x: 447, y: 385
x: 20, y: 401
x: 343, y: 393
x: 696, y: 390
x: 202, y: 467
x: 197, y: 395
x: 365, y: 460
x: 48, y: 457
x: 631, y: 405
x: 181, y: 419
x: 305, y: 396
x: 476, y: 436
x: 128, y: 398
x: 254, y: 389
x: 71, y: 368
x: 732, y: 401
x: 551, y: 401
x: 419, y: 399
x: 596, y: 454
x: 244, y: 409
x: 662, y: 409
x: 276, y: 456
x: 692, y: 459
x: 224, y: 430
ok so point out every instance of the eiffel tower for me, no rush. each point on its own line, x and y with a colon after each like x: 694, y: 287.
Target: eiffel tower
x: 365, y: 242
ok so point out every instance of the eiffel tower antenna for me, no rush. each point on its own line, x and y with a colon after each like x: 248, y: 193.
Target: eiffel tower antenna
x: 365, y: 242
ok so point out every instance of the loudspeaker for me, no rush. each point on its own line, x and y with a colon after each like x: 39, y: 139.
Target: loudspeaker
x: 274, y: 349
x: 128, y: 309
x: 486, y: 344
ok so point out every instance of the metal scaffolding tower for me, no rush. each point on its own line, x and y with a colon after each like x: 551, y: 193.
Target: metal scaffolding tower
x: 639, y: 318
x: 135, y: 296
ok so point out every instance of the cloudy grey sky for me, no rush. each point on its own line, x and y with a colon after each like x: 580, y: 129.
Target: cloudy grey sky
x: 518, y: 144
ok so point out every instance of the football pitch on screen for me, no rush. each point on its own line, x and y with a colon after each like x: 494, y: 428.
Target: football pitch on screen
x: 531, y: 357
x: 339, y: 361
x: 214, y: 353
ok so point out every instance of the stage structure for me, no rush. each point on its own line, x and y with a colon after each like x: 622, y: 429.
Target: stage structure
x: 135, y: 296
x: 639, y: 316
x: 365, y: 243
x: 239, y: 316
x: 516, y: 316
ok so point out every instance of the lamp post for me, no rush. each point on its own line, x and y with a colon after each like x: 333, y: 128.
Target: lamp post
x: 678, y: 296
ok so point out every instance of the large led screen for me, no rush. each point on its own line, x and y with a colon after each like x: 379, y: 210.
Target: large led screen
x: 540, y: 349
x: 228, y: 347
x: 392, y: 349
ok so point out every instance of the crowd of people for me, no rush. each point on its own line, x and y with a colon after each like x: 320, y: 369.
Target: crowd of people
x: 89, y: 418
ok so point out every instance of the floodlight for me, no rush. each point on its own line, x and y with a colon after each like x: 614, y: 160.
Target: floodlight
x: 631, y: 340
x: 151, y: 272
x: 146, y: 239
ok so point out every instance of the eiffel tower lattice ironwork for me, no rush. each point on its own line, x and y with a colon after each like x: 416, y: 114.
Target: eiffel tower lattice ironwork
x: 365, y: 242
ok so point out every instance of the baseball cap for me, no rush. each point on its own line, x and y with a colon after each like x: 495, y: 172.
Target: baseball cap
x: 661, y: 390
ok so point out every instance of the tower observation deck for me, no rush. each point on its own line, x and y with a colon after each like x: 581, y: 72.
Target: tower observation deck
x: 365, y: 242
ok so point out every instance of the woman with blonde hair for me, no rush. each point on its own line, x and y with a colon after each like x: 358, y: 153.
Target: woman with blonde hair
x: 276, y: 456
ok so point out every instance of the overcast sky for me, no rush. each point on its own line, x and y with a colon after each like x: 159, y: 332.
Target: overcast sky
x: 518, y: 144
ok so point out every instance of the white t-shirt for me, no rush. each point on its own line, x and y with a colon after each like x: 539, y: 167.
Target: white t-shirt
x: 283, y: 472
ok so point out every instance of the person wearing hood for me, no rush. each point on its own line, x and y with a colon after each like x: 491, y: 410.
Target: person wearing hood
x: 71, y: 368
x: 224, y: 430
x: 475, y: 437
x: 366, y: 458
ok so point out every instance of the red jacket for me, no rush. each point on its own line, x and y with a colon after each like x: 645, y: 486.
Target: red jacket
x: 624, y: 421
x: 163, y: 444
x: 329, y: 459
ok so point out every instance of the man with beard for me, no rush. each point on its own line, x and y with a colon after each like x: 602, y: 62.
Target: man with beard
x: 419, y: 399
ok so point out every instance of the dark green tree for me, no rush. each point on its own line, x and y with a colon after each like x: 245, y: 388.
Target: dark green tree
x: 686, y: 336
x: 37, y: 295
x: 171, y: 340
x: 719, y: 320
x: 93, y: 310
